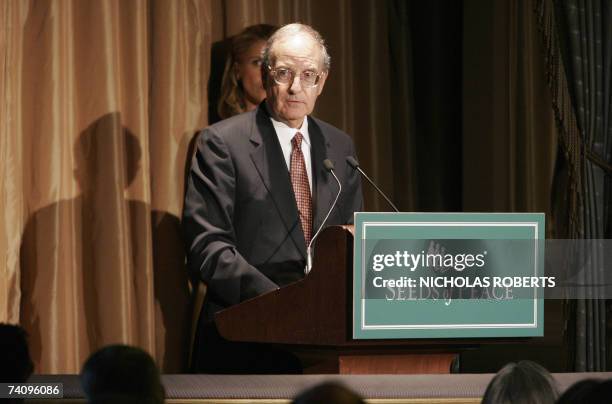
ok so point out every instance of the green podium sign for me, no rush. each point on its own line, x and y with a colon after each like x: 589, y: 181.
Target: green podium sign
x: 448, y: 275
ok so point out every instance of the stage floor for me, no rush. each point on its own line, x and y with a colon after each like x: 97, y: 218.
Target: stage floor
x: 388, y: 389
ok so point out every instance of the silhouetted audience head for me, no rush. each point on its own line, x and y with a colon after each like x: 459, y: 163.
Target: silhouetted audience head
x: 121, y: 374
x: 16, y: 364
x: 524, y: 382
x: 589, y: 391
x: 329, y: 393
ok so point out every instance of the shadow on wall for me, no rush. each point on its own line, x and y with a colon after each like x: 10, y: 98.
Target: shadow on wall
x: 86, y: 262
x: 219, y: 52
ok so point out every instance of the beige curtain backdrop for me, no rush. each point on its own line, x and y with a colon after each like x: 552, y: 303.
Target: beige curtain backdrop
x: 100, y: 99
x: 100, y: 102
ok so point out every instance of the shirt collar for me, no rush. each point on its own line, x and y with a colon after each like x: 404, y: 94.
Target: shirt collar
x: 286, y: 133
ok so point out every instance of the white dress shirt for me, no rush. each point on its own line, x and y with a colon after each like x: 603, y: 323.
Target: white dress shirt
x: 285, y: 134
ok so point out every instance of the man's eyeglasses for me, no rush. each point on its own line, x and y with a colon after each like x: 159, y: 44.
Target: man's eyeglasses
x: 283, y: 75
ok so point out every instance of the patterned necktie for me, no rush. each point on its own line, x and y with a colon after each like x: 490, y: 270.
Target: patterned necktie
x: 301, y: 187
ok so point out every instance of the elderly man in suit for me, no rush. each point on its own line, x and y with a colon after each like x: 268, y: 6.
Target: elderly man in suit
x: 258, y: 191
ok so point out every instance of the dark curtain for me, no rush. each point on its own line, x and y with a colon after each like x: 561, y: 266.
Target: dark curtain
x: 509, y: 146
x: 426, y: 65
x: 585, y: 29
x: 578, y: 37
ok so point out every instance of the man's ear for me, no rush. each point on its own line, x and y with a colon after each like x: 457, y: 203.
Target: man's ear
x: 322, y: 82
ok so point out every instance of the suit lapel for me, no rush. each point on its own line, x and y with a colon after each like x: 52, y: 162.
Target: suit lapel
x: 323, y: 195
x: 270, y: 163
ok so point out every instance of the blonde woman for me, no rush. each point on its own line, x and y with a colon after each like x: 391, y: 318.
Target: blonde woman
x: 241, y: 88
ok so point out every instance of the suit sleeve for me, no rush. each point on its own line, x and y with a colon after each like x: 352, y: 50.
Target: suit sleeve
x: 208, y: 225
x: 354, y: 201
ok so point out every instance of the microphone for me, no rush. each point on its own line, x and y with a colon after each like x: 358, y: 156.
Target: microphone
x: 329, y: 166
x: 355, y: 165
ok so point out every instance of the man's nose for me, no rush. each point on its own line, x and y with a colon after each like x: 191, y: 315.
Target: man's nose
x: 296, y: 84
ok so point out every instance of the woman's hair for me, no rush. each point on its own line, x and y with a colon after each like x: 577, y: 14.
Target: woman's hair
x: 232, y: 101
x: 524, y: 382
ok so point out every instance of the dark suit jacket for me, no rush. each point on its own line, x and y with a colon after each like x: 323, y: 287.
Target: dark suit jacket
x: 240, y: 218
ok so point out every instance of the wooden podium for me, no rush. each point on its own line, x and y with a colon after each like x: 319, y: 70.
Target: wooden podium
x: 313, y: 319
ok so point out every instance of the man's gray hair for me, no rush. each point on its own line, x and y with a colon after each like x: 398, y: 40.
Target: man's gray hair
x: 291, y: 30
